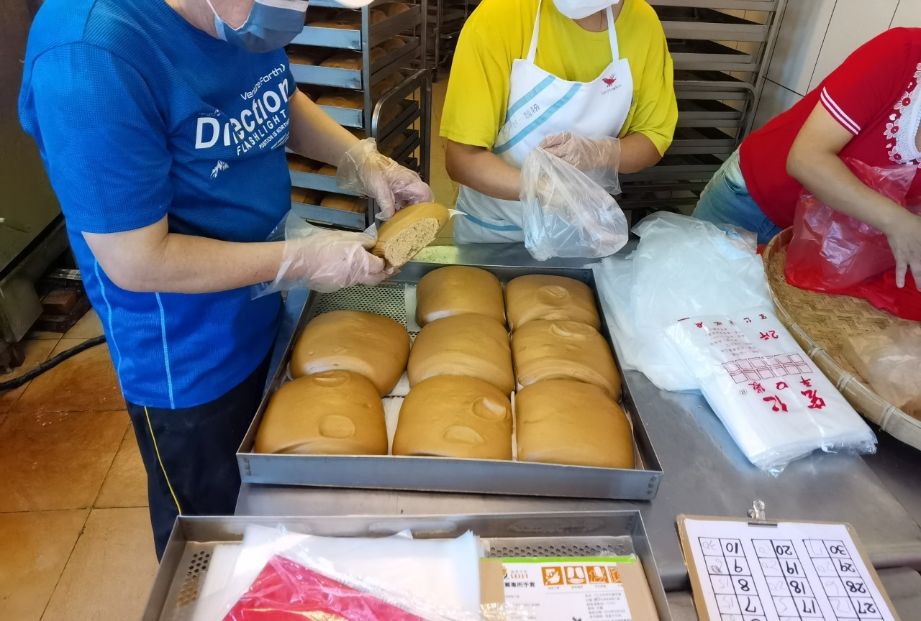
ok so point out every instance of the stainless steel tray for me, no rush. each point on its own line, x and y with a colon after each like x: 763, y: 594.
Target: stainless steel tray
x: 188, y: 553
x: 316, y: 181
x: 334, y: 217
x: 351, y: 39
x: 434, y: 473
x: 349, y: 117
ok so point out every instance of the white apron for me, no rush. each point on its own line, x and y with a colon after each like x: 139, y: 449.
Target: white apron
x: 540, y: 105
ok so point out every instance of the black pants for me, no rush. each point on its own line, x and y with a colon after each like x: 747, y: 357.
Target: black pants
x: 190, y: 454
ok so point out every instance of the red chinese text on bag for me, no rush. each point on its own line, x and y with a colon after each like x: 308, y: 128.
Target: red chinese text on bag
x: 288, y: 591
x: 833, y: 253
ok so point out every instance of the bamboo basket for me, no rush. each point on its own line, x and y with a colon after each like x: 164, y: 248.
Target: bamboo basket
x: 821, y: 323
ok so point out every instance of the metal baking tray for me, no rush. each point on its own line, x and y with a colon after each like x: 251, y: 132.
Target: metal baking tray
x: 581, y: 534
x: 386, y: 65
x: 316, y: 181
x: 351, y: 39
x: 335, y: 217
x: 349, y: 117
x: 437, y: 473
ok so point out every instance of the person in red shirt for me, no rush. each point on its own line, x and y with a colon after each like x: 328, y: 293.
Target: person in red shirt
x: 868, y: 109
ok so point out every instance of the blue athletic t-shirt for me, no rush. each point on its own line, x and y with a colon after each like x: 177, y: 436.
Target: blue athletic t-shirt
x: 139, y: 115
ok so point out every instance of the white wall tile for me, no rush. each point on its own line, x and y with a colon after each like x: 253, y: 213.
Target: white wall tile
x: 853, y: 23
x: 774, y: 100
x: 908, y: 14
x: 799, y: 43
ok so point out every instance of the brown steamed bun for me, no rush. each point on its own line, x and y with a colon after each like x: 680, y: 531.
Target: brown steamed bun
x: 544, y: 350
x: 370, y: 345
x: 330, y: 413
x: 542, y: 296
x: 455, y: 417
x: 458, y: 290
x: 464, y: 345
x: 569, y: 422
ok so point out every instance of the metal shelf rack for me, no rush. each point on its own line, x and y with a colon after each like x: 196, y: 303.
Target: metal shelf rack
x: 445, y: 20
x: 365, y: 69
x: 721, y: 50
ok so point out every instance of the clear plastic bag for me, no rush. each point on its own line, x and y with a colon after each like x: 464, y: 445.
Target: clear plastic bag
x: 890, y: 361
x: 323, y: 260
x: 831, y: 251
x: 774, y: 401
x: 565, y: 213
x: 681, y: 267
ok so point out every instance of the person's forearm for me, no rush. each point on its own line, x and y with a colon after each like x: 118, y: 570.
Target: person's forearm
x: 314, y: 134
x: 174, y: 263
x: 637, y: 152
x: 483, y: 171
x: 827, y: 177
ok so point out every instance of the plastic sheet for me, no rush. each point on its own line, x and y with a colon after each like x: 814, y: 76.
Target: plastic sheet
x: 566, y: 213
x: 681, y: 267
x: 773, y: 400
x: 890, y: 361
x: 834, y: 253
x: 323, y: 260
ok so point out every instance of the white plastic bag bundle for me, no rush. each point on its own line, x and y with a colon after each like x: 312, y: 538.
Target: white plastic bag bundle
x: 681, y: 267
x: 771, y: 397
x: 566, y: 213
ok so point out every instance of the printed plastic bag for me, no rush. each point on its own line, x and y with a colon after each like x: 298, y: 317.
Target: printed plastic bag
x: 681, y: 267
x: 834, y: 253
x: 773, y: 400
x: 436, y: 579
x: 890, y: 361
x: 565, y: 213
x: 286, y: 590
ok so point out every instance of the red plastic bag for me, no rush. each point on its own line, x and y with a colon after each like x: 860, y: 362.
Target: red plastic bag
x: 288, y: 591
x: 834, y: 253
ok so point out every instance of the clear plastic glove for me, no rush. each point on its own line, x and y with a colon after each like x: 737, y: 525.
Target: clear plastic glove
x: 366, y: 171
x: 905, y: 240
x: 324, y: 260
x: 599, y: 159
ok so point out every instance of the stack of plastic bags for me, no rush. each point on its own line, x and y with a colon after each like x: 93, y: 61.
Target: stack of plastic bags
x: 691, y: 310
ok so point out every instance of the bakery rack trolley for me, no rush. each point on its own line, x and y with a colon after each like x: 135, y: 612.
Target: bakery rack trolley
x: 445, y: 20
x: 386, y: 95
x: 721, y: 50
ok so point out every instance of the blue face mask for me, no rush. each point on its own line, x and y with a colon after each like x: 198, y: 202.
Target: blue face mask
x: 271, y: 25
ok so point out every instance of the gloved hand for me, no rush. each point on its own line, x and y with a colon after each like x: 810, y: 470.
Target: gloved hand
x: 326, y: 260
x: 366, y: 171
x: 905, y: 240
x: 599, y: 159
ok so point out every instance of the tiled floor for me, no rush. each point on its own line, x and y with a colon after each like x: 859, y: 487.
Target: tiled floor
x: 75, y: 540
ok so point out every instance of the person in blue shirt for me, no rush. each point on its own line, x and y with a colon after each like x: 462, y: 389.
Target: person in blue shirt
x: 163, y: 126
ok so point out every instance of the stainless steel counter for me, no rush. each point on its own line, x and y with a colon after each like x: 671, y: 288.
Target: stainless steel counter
x: 704, y: 473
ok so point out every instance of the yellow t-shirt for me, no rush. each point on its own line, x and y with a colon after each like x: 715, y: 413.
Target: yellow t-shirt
x: 499, y: 31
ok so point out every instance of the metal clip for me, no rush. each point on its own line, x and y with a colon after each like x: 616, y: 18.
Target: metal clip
x: 758, y: 515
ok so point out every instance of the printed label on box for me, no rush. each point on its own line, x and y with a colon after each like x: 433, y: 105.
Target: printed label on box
x: 585, y: 589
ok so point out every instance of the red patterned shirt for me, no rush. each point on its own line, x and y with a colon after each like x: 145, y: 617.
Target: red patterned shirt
x: 875, y: 95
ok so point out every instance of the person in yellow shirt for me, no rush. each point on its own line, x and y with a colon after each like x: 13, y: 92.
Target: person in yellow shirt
x: 591, y: 81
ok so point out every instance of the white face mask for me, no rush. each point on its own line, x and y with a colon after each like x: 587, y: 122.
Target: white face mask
x: 577, y: 9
